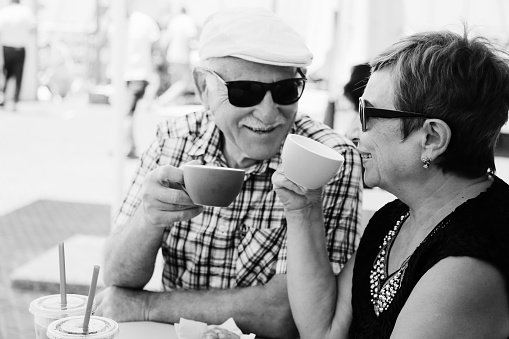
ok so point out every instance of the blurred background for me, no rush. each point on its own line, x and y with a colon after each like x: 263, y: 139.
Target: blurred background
x: 63, y: 169
x: 71, y: 50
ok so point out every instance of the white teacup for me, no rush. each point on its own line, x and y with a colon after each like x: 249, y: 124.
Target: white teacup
x: 211, y: 185
x: 309, y: 163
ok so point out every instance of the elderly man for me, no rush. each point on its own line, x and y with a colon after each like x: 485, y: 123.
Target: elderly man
x: 227, y: 262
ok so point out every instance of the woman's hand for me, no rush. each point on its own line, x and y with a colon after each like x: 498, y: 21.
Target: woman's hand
x: 293, y: 196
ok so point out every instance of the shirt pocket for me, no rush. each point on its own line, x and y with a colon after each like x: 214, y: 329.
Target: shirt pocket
x: 258, y: 253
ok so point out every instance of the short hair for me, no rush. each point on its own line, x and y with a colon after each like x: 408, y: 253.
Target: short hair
x: 355, y: 86
x: 462, y: 81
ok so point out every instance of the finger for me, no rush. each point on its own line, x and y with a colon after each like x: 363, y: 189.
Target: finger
x: 160, y: 189
x: 98, y: 307
x: 279, y: 180
x: 161, y: 218
x: 164, y: 206
x: 173, y: 196
x: 167, y: 174
x: 98, y: 298
x: 190, y: 213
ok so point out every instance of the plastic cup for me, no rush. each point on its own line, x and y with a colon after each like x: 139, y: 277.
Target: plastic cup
x: 48, y: 309
x: 72, y: 328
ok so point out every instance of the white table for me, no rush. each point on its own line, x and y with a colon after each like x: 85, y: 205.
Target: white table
x: 146, y: 329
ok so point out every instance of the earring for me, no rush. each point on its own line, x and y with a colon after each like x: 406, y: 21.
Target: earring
x: 426, y: 161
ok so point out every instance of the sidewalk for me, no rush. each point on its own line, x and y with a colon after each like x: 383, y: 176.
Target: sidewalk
x: 57, y: 178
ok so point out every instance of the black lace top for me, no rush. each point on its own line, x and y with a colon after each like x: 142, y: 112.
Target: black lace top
x: 479, y: 228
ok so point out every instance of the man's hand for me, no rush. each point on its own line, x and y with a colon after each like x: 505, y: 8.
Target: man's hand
x: 164, y: 200
x: 131, y: 250
x: 122, y: 304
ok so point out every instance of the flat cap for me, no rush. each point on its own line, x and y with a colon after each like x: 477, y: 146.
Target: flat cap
x: 253, y: 34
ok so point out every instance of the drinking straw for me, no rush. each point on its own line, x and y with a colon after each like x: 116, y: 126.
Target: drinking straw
x: 63, y: 292
x: 90, y: 301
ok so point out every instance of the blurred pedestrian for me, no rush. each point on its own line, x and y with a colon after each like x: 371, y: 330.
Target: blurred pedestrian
x: 142, y: 36
x: 17, y: 27
x: 355, y: 87
x: 181, y: 39
x: 353, y: 90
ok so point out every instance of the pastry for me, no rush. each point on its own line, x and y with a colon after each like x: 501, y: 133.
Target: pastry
x: 219, y: 333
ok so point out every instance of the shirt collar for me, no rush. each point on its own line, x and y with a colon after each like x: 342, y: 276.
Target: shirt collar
x: 207, y: 145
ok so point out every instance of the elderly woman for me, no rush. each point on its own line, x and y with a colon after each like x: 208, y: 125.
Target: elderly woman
x: 433, y: 263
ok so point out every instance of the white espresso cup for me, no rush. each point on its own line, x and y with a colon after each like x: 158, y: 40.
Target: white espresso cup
x: 308, y: 162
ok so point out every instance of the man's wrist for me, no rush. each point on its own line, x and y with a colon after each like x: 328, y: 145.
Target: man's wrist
x: 148, y: 305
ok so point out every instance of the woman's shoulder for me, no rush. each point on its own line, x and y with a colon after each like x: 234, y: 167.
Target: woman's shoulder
x: 446, y: 289
x: 498, y: 196
x: 477, y: 229
x: 488, y: 212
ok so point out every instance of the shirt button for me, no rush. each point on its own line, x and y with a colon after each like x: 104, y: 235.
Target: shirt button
x: 223, y: 228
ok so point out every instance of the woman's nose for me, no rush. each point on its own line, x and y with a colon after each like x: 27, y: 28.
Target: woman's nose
x: 354, y: 131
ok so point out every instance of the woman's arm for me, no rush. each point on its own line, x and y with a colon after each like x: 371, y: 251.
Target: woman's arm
x: 459, y: 297
x: 312, y: 287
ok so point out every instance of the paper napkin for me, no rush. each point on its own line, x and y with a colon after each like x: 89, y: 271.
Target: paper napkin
x: 190, y: 329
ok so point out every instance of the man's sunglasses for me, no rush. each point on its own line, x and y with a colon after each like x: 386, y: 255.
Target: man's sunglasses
x: 245, y: 93
x: 366, y: 112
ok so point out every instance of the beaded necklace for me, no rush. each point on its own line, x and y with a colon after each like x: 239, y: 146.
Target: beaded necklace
x: 383, y: 290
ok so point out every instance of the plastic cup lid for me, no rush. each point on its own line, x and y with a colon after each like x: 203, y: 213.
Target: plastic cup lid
x: 49, y: 306
x: 72, y: 327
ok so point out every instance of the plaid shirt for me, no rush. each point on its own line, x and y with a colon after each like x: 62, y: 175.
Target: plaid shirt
x: 243, y: 244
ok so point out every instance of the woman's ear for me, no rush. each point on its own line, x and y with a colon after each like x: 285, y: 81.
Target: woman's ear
x: 437, y: 136
x: 200, y: 83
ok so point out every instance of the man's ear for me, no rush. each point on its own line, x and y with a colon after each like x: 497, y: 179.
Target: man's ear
x: 200, y: 83
x: 437, y: 136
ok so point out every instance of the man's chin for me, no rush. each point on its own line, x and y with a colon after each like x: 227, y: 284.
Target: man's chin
x: 262, y: 156
x: 261, y: 153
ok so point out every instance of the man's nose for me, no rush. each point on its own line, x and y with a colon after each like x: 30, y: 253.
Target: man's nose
x: 266, y: 111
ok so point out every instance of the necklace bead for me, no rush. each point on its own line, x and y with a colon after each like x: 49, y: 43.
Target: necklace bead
x: 383, y: 292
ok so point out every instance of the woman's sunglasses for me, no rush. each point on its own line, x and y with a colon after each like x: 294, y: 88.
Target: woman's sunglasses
x: 366, y: 112
x: 245, y: 93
